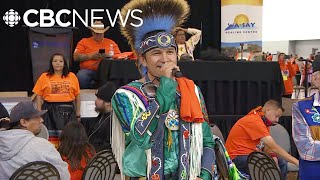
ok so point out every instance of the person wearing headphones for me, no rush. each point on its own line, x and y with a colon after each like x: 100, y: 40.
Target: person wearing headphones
x: 252, y: 133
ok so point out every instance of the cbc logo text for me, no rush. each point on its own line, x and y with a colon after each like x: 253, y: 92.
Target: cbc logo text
x: 48, y: 18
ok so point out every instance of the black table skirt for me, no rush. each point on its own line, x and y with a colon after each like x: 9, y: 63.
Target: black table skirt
x: 228, y: 87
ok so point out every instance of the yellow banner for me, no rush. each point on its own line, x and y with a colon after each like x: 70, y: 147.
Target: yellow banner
x: 244, y: 2
x: 241, y: 28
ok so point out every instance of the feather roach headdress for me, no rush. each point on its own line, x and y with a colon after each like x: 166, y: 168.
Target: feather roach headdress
x: 157, y: 15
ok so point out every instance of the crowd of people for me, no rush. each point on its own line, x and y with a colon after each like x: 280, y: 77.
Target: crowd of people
x: 156, y: 126
x: 293, y: 72
x: 73, y: 149
x: 292, y: 68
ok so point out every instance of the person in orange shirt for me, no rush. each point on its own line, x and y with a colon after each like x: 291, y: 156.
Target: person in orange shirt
x: 251, y: 55
x: 90, y: 51
x: 58, y: 91
x: 288, y: 72
x: 75, y: 149
x: 248, y: 132
x: 248, y: 56
x: 269, y: 57
x: 294, y: 61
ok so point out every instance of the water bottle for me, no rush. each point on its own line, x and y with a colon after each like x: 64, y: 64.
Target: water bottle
x: 111, y: 51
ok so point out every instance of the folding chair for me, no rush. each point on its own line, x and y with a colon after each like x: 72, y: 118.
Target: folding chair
x: 262, y: 167
x: 222, y: 162
x: 101, y: 167
x: 37, y: 170
x: 281, y: 136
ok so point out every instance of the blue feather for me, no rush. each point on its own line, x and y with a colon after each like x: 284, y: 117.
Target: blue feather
x: 165, y: 23
x: 144, y: 70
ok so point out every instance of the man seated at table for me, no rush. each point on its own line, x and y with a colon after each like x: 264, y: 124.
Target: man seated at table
x: 89, y: 52
x: 186, y: 47
x: 252, y: 133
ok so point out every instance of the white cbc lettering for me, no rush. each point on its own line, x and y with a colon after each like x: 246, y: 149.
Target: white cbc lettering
x: 118, y: 13
x: 25, y: 18
x: 124, y: 22
x: 93, y: 18
x: 58, y: 17
x: 46, y: 15
x: 43, y: 18
x: 76, y: 14
x: 47, y: 18
x: 137, y: 18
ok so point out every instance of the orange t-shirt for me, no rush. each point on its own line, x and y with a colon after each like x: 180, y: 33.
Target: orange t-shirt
x: 296, y: 67
x: 57, y: 89
x: 269, y: 58
x: 288, y: 72
x: 245, y: 135
x: 77, y: 174
x: 89, y: 45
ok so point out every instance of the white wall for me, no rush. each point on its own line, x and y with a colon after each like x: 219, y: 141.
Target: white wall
x: 292, y: 47
x: 290, y: 26
x: 274, y: 46
x: 304, y: 47
x: 301, y: 47
x: 290, y: 20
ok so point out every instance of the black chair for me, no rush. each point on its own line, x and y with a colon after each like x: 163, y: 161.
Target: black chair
x: 102, y: 166
x: 37, y: 170
x: 222, y: 163
x: 262, y: 167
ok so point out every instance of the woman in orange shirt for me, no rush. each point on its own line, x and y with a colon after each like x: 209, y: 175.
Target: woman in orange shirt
x: 75, y: 149
x: 58, y: 91
x: 287, y: 71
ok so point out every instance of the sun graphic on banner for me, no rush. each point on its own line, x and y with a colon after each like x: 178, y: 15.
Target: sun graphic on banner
x: 240, y: 19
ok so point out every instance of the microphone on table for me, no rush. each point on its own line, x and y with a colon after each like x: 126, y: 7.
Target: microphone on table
x: 176, y: 73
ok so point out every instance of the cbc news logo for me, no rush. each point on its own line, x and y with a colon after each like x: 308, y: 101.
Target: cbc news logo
x: 11, y: 18
x: 48, y: 17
